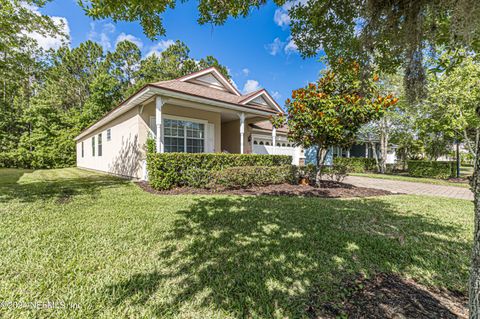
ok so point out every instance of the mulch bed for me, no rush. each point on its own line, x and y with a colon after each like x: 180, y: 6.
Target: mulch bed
x: 329, y: 189
x: 390, y: 296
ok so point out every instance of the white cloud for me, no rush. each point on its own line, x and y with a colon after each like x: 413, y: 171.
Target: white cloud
x: 54, y: 42
x: 245, y: 71
x: 276, y: 95
x: 160, y: 47
x: 129, y: 37
x: 102, y: 36
x: 291, y: 47
x: 281, y: 16
x: 275, y: 47
x: 250, y: 86
x: 46, y: 41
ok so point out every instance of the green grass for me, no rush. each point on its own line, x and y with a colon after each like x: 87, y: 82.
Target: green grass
x: 412, y: 179
x: 103, y: 244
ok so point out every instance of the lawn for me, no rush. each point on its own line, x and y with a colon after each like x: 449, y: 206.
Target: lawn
x: 405, y: 178
x: 103, y: 248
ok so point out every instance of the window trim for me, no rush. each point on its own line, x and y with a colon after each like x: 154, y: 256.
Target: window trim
x: 99, y: 144
x: 93, y: 146
x: 187, y: 119
x: 109, y: 134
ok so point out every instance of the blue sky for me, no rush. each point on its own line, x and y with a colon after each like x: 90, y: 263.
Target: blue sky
x: 257, y: 50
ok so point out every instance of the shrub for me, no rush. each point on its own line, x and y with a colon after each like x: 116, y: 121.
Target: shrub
x: 167, y: 170
x: 248, y: 176
x: 335, y: 173
x: 356, y: 164
x: 431, y: 169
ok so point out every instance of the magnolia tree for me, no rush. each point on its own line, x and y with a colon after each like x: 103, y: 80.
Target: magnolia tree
x: 330, y: 111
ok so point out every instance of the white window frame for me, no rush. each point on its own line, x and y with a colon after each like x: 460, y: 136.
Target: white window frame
x: 99, y: 144
x: 187, y: 119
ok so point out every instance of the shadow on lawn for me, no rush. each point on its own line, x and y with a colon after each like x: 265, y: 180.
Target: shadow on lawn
x: 287, y: 257
x: 61, y: 189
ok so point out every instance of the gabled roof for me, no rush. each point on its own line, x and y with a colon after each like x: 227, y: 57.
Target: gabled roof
x: 210, y: 76
x: 205, y: 86
x: 261, y: 97
x: 198, y: 84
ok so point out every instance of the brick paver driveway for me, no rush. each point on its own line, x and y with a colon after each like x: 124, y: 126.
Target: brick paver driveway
x: 410, y: 187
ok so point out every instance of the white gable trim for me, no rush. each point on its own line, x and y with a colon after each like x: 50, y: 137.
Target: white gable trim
x: 216, y: 74
x: 266, y: 96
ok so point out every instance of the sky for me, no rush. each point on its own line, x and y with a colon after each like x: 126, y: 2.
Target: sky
x: 257, y: 50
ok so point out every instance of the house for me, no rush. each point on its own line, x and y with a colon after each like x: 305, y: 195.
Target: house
x: 358, y: 149
x: 198, y: 113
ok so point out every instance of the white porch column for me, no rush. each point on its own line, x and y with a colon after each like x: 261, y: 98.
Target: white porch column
x: 158, y: 121
x: 242, y: 130
x: 274, y: 136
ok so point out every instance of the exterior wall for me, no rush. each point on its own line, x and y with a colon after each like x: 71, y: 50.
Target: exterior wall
x: 231, y: 136
x: 122, y: 154
x: 180, y: 111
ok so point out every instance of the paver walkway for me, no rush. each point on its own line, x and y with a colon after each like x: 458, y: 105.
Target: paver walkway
x: 410, y: 187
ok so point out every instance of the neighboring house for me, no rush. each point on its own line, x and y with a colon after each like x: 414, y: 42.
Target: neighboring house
x: 359, y: 149
x: 198, y: 113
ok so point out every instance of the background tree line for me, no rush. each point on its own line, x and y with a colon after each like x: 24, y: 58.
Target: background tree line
x: 48, y: 97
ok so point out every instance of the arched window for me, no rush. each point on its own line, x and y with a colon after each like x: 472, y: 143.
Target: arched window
x: 283, y: 144
x: 278, y: 144
x: 255, y: 142
x: 288, y: 145
x: 267, y: 143
x: 261, y: 142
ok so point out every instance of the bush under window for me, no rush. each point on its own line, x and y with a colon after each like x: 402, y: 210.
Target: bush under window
x: 168, y: 170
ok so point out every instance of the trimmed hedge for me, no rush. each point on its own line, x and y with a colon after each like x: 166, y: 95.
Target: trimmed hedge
x: 167, y: 170
x: 431, y: 169
x: 248, y: 176
x: 356, y: 164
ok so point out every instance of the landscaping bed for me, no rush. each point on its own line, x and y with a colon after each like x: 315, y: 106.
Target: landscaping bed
x: 330, y: 189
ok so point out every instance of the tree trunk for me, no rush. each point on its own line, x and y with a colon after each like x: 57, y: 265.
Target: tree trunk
x: 375, y: 155
x: 474, y: 287
x: 321, y: 154
x: 383, y: 145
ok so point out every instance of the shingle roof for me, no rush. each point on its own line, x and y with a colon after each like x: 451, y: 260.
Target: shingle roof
x: 267, y: 125
x: 208, y: 92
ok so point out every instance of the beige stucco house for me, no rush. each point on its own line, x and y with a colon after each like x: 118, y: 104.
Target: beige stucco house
x: 198, y: 113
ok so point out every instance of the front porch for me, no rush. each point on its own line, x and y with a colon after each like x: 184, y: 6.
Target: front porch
x: 182, y: 126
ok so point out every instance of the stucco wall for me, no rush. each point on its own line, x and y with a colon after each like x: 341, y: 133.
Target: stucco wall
x: 231, y: 136
x: 180, y: 111
x: 122, y: 154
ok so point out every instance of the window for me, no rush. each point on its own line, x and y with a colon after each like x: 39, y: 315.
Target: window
x: 83, y: 151
x: 184, y: 136
x: 255, y: 143
x: 93, y: 145
x: 100, y: 144
x: 109, y: 134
